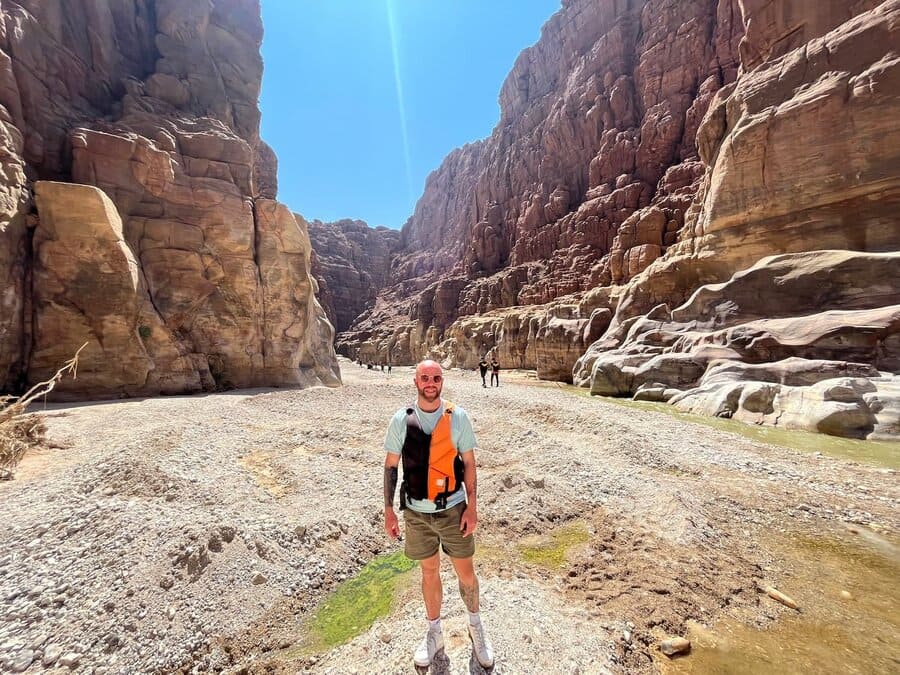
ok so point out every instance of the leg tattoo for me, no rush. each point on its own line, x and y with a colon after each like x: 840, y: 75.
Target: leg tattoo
x: 470, y: 595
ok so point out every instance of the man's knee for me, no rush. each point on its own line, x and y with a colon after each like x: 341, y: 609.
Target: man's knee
x: 466, y: 579
x: 465, y: 570
x: 431, y: 567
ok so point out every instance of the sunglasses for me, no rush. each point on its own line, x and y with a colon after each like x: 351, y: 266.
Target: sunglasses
x: 431, y: 378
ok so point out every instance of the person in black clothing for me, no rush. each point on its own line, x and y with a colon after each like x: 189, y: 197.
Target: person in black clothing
x: 483, y: 366
x: 495, y: 372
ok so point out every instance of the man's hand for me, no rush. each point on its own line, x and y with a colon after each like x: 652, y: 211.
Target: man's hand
x: 469, y: 521
x: 391, y: 524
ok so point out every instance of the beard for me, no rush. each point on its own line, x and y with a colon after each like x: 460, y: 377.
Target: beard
x: 427, y: 392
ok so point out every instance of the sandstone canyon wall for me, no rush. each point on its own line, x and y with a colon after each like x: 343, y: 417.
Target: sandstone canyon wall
x: 688, y: 201
x: 803, y: 156
x: 351, y: 263
x: 138, y: 208
x: 598, y: 120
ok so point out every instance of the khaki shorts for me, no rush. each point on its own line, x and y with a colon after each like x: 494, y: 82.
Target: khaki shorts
x: 425, y: 532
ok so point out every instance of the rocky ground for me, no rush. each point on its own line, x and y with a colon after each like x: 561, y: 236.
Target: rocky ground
x: 200, y: 533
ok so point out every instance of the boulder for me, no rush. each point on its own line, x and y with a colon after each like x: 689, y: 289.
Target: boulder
x: 862, y: 407
x: 727, y: 361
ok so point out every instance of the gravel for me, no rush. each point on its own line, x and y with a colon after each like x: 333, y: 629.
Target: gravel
x: 192, y: 534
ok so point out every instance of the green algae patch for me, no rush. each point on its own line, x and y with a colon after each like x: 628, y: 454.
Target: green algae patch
x: 878, y: 453
x: 550, y: 550
x: 355, y: 605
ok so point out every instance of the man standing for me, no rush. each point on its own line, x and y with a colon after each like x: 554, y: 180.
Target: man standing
x: 435, y: 440
x: 483, y: 366
x: 495, y: 372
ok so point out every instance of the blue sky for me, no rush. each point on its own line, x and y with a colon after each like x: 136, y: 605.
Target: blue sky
x: 348, y: 146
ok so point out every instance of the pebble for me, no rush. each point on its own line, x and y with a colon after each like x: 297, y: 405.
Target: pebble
x: 70, y: 660
x: 259, y: 578
x: 21, y: 661
x: 785, y: 600
x: 52, y: 652
x: 675, y: 645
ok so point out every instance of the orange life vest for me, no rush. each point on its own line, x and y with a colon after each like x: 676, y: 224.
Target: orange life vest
x: 432, y: 468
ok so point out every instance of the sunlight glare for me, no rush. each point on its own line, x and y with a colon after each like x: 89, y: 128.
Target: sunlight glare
x: 399, y: 87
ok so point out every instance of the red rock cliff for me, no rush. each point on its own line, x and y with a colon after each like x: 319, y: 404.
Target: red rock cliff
x: 158, y: 242
x: 598, y: 120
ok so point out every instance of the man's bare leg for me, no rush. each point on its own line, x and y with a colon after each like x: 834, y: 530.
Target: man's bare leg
x: 468, y: 582
x: 432, y: 590
x: 468, y: 589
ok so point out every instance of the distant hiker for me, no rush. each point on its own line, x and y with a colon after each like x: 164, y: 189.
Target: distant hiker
x: 435, y: 440
x: 382, y: 367
x: 495, y: 372
x: 483, y: 366
x: 389, y: 369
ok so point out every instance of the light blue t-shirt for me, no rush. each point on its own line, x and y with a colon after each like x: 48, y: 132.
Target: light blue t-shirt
x: 461, y: 434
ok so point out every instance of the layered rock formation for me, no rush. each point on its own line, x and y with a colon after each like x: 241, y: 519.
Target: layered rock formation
x: 646, y: 151
x: 351, y: 263
x: 598, y: 120
x: 158, y: 242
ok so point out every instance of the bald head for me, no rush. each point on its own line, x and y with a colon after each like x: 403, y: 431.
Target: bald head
x: 430, y: 367
x: 429, y: 381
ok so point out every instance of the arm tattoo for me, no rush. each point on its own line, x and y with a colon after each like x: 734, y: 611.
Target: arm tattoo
x: 469, y: 595
x: 390, y: 485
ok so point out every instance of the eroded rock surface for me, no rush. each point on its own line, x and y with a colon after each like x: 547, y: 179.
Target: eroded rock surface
x: 751, y: 348
x: 803, y: 155
x: 181, y: 272
x: 88, y: 289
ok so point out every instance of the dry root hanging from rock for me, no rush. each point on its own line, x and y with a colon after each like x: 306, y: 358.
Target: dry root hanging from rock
x: 21, y: 431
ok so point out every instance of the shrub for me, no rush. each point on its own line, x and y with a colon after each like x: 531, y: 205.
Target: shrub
x: 20, y: 430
